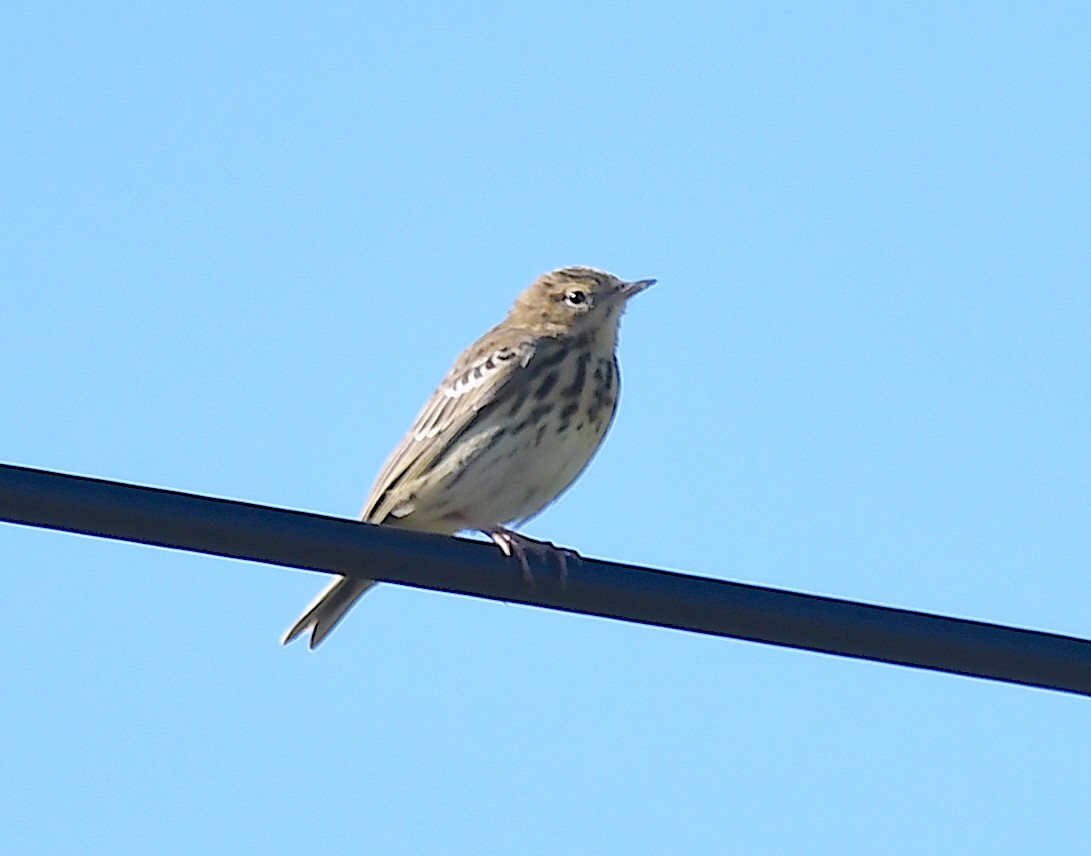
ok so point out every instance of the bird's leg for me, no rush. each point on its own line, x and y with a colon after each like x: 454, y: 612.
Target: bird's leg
x: 513, y: 544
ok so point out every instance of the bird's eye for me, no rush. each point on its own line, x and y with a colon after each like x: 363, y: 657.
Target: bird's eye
x: 575, y: 297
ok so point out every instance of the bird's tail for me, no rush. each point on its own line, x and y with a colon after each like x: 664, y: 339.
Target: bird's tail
x: 328, y: 608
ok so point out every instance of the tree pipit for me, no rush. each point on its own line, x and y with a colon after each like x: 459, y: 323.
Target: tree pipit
x: 517, y: 419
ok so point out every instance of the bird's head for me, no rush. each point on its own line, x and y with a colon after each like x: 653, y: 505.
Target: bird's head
x: 574, y: 300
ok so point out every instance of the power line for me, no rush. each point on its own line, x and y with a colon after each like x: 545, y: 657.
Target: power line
x: 316, y: 542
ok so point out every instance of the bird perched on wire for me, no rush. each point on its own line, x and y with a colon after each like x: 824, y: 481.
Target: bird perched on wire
x: 517, y: 419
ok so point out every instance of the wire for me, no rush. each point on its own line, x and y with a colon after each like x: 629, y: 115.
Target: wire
x: 315, y: 542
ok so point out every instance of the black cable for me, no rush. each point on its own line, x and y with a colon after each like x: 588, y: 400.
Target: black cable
x: 334, y: 545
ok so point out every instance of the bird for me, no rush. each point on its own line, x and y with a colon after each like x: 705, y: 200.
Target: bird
x: 513, y: 424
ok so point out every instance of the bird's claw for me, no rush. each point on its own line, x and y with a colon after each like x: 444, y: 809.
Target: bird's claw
x: 514, y: 544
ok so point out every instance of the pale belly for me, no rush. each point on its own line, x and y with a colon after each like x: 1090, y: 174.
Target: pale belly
x: 509, y: 471
x: 534, y: 475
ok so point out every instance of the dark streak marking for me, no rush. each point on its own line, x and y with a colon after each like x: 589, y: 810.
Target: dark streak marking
x: 546, y: 386
x: 535, y: 416
x: 552, y: 361
x: 566, y: 416
x: 517, y: 403
x: 603, y: 396
x: 604, y: 373
x: 574, y: 388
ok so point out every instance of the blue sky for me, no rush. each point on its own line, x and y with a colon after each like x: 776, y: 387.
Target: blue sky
x: 243, y: 242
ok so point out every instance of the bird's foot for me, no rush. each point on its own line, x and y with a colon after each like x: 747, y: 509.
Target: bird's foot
x: 513, y: 544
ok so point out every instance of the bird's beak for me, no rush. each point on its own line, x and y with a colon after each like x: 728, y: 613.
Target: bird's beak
x: 628, y: 289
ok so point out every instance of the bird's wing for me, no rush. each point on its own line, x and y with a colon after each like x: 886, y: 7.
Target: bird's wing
x: 484, y: 377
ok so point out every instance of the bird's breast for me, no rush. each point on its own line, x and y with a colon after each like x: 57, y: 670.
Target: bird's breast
x: 534, y: 446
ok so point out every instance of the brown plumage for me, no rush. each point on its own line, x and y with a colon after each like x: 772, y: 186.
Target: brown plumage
x: 517, y: 419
